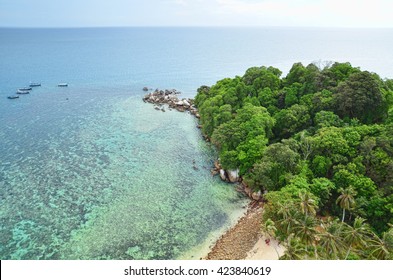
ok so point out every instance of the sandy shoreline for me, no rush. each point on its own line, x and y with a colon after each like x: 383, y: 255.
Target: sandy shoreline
x: 245, y: 241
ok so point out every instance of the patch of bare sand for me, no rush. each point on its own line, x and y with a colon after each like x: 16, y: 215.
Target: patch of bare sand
x: 264, y: 251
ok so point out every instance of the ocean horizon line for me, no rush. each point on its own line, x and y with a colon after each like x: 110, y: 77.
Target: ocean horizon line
x: 202, y: 27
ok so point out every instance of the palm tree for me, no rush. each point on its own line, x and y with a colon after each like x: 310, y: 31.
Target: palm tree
x: 357, y: 235
x: 269, y: 228
x: 382, y: 248
x: 289, y: 216
x: 346, y: 200
x: 308, y: 205
x: 330, y: 239
x: 306, y: 231
x: 294, y: 249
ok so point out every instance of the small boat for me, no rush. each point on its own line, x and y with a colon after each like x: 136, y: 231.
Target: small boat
x: 35, y: 84
x: 22, y: 91
x: 63, y: 85
x: 13, y: 97
x: 26, y: 88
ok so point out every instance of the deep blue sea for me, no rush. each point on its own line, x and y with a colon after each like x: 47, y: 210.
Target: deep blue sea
x: 92, y: 172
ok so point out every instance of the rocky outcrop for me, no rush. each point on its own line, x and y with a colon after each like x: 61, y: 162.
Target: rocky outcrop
x: 254, y: 195
x: 233, y: 175
x: 216, y: 169
x: 217, y: 164
x: 172, y: 100
x: 223, y: 175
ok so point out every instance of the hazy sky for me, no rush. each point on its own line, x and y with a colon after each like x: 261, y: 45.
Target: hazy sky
x: 73, y: 13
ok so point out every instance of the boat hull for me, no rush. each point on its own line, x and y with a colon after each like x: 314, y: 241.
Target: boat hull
x: 22, y: 92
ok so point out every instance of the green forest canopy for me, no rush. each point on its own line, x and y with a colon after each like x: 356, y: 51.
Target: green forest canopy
x: 317, y: 139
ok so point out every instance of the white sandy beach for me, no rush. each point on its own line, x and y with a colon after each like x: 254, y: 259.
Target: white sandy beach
x: 262, y: 251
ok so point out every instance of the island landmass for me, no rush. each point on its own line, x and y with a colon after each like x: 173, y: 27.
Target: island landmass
x: 314, y: 147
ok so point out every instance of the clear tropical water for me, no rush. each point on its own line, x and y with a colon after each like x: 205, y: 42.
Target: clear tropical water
x: 92, y: 172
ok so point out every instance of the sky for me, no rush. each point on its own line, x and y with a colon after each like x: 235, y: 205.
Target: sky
x: 288, y: 13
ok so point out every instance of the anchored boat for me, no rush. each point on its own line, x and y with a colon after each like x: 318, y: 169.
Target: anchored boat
x: 22, y: 91
x: 13, y: 97
x: 35, y: 84
x: 62, y: 85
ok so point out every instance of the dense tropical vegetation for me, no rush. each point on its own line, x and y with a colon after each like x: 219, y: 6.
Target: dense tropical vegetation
x: 319, y: 144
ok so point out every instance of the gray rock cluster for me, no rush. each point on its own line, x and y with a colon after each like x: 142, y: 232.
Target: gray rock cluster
x: 255, y: 195
x: 171, y: 98
x: 232, y: 176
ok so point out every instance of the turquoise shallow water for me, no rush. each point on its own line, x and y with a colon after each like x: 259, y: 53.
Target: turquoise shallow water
x: 92, y: 172
x: 117, y: 183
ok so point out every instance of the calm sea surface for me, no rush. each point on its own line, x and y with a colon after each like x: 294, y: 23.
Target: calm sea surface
x: 91, y: 172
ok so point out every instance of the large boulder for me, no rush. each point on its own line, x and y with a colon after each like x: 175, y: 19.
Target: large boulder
x: 186, y: 103
x: 223, y: 175
x: 233, y: 175
x: 256, y: 195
